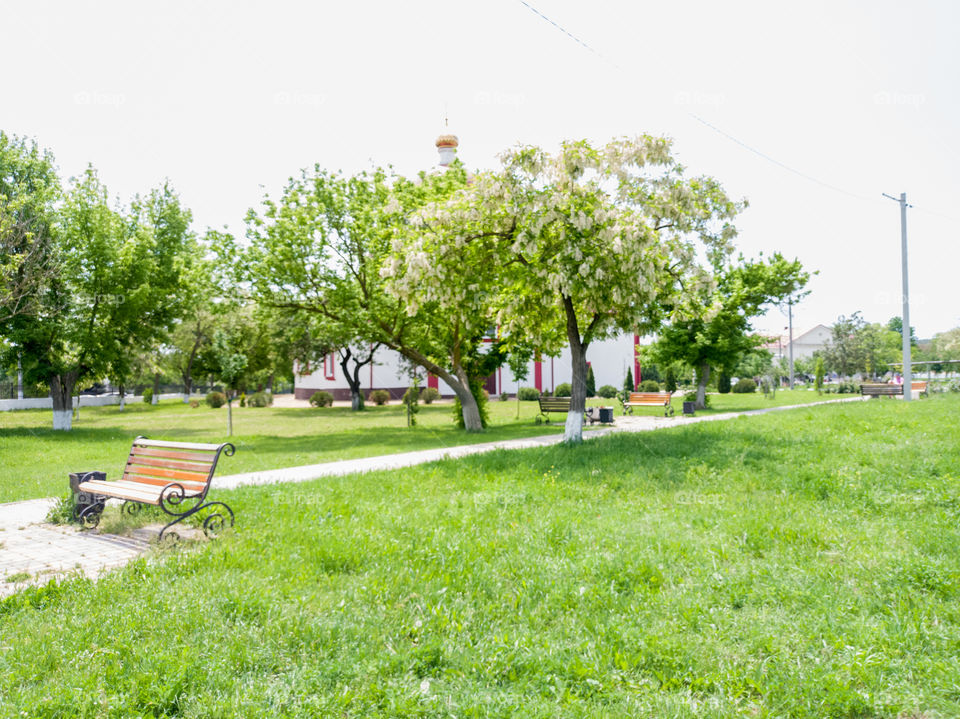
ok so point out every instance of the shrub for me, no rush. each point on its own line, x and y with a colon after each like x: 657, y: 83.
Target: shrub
x: 243, y: 399
x: 563, y: 390
x: 744, y: 386
x: 429, y: 394
x: 847, y: 388
x: 591, y: 382
x: 628, y: 382
x: 504, y: 396
x: 723, y: 383
x: 194, y: 404
x: 608, y: 391
x: 148, y: 395
x: 216, y: 399
x: 321, y: 399
x: 379, y: 397
x: 260, y: 399
x: 528, y: 394
x: 649, y: 385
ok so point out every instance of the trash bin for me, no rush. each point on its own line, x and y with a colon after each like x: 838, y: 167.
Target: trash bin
x: 688, y: 407
x: 82, y: 500
x: 606, y: 415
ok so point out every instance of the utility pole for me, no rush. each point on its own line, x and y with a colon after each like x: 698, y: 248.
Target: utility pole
x: 790, y: 324
x: 905, y: 323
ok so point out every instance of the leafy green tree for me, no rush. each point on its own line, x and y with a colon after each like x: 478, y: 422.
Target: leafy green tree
x: 856, y: 347
x: 331, y: 246
x: 29, y: 190
x: 670, y: 379
x: 591, y: 382
x: 895, y: 324
x: 116, y: 292
x: 721, y: 335
x: 628, y: 385
x: 231, y: 363
x: 818, y: 375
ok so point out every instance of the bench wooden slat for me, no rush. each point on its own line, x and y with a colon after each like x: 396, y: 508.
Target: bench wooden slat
x: 152, y: 489
x: 169, y: 473
x: 171, y: 454
x: 140, y: 442
x: 162, y: 481
x: 199, y: 467
x: 115, y: 489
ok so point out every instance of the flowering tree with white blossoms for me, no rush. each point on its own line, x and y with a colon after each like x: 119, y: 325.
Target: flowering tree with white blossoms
x: 570, y: 247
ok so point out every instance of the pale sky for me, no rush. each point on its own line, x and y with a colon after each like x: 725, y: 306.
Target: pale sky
x: 227, y: 100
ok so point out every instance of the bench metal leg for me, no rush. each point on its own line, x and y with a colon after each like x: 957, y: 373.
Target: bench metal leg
x: 173, y: 495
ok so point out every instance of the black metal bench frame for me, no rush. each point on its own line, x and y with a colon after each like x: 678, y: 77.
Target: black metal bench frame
x: 551, y: 404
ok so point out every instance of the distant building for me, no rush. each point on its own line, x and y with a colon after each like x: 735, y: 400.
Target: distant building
x: 805, y: 343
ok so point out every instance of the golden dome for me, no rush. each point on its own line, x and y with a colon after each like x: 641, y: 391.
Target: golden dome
x: 448, y: 141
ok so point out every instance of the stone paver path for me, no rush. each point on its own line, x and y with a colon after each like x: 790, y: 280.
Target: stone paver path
x: 31, y: 552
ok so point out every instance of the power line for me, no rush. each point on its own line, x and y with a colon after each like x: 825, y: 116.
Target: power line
x: 569, y: 34
x: 727, y: 135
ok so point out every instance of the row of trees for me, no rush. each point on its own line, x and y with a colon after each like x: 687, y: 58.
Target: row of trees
x: 92, y: 289
x: 554, y: 249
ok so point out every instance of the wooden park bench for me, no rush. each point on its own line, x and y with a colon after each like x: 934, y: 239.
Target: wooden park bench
x: 919, y: 387
x: 649, y: 399
x: 881, y: 390
x: 174, y: 476
x: 552, y: 404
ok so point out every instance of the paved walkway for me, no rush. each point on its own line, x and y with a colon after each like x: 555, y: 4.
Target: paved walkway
x: 31, y: 552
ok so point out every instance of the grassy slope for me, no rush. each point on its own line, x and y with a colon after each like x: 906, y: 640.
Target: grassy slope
x: 798, y: 564
x: 36, y: 460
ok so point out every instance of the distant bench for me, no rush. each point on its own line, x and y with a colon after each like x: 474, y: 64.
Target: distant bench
x: 890, y: 390
x: 169, y: 475
x: 552, y: 404
x: 649, y: 399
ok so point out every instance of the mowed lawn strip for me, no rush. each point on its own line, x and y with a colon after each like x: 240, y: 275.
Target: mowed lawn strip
x: 799, y: 564
x: 36, y: 460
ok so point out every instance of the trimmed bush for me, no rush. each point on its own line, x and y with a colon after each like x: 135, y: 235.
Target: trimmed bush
x: 321, y: 399
x: 563, y: 390
x: 528, y: 394
x: 148, y: 395
x: 608, y: 391
x: 194, y: 404
x: 379, y: 397
x: 670, y: 381
x: 216, y: 399
x: 260, y: 399
x: 723, y: 383
x: 744, y: 386
x: 243, y: 399
x: 429, y: 394
x: 504, y: 396
x: 591, y: 382
x: 649, y: 385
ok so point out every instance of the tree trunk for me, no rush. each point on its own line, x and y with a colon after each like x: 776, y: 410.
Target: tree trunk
x: 156, y: 389
x: 703, y: 376
x: 270, y: 383
x: 229, y: 414
x: 187, y: 388
x: 61, y: 390
x: 123, y: 397
x: 573, y: 430
x: 353, y: 378
x: 468, y: 403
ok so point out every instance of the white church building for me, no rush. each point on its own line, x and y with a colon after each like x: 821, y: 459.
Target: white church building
x: 610, y: 359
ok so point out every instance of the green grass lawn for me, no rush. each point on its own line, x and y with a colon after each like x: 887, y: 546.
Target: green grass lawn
x: 798, y: 564
x: 36, y: 460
